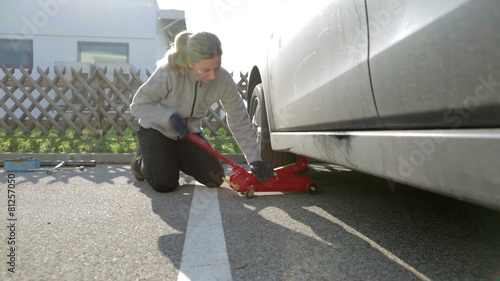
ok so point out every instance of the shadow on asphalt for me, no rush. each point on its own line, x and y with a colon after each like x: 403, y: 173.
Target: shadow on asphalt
x: 441, y: 238
x: 101, y: 173
x: 173, y: 208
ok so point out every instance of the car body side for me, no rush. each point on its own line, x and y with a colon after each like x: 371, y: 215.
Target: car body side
x: 405, y: 90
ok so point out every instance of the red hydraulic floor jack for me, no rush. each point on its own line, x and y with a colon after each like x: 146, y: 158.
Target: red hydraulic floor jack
x: 284, y: 178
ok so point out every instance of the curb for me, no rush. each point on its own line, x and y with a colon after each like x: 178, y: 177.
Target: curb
x: 100, y: 158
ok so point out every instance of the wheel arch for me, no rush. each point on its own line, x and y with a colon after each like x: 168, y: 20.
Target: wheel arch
x: 253, y: 80
x: 257, y: 76
x: 275, y: 158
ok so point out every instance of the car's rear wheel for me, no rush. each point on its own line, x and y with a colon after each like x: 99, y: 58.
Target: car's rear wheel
x: 258, y: 115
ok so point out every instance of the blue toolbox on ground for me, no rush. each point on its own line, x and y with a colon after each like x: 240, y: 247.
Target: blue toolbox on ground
x: 23, y: 164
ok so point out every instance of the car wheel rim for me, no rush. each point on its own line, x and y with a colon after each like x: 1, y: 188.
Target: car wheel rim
x: 257, y: 122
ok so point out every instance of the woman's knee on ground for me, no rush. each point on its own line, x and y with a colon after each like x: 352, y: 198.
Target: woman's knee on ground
x: 162, y: 187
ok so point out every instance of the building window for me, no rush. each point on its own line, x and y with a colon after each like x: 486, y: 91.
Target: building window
x: 15, y: 53
x: 97, y: 52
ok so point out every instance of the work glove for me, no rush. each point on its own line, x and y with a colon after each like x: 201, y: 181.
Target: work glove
x: 179, y: 124
x: 261, y: 170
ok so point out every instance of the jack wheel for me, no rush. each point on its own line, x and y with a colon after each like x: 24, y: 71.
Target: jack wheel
x: 249, y: 193
x: 312, y: 189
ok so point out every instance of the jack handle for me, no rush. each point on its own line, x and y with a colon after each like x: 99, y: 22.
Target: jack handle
x: 197, y: 140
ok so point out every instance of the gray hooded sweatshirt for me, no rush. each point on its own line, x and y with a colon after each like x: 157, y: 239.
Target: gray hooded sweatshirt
x: 167, y: 92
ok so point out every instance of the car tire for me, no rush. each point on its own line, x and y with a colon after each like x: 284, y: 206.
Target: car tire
x: 258, y: 115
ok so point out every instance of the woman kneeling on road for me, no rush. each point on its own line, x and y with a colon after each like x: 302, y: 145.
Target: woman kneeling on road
x: 173, y: 102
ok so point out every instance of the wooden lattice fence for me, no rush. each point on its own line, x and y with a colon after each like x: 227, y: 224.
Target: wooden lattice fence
x: 70, y: 99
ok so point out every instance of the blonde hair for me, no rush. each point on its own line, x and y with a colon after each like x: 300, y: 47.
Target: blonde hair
x: 190, y: 48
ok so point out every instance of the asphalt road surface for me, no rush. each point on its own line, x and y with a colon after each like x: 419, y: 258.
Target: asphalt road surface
x: 100, y: 224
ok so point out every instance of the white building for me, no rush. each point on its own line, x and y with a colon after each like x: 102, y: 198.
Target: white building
x: 133, y: 33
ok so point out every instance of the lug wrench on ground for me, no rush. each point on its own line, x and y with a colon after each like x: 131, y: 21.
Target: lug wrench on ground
x: 51, y: 170
x: 58, y: 167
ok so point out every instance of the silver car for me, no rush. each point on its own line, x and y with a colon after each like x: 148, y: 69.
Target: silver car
x: 404, y: 90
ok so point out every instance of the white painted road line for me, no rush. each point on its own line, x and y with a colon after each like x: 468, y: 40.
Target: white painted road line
x: 204, y: 256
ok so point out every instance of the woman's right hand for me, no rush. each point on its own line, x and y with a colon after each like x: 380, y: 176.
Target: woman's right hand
x: 179, y: 124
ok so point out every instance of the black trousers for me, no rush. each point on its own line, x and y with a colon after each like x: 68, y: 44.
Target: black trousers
x: 162, y: 159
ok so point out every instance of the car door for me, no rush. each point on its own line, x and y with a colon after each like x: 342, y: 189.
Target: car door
x: 318, y: 69
x: 435, y: 64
